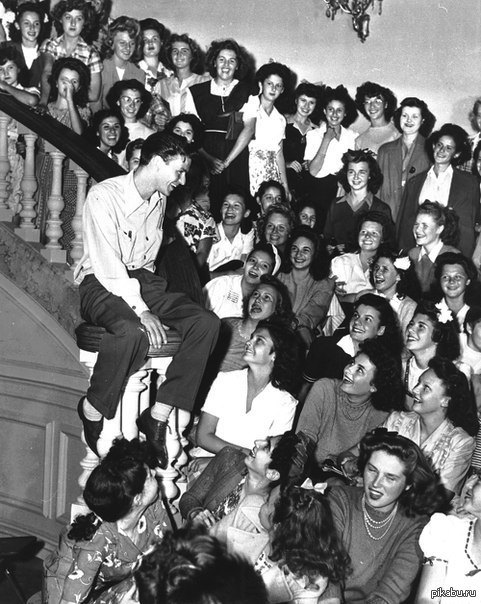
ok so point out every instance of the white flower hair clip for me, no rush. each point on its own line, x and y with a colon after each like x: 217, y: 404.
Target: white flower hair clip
x: 402, y: 263
x: 319, y: 487
x: 444, y: 313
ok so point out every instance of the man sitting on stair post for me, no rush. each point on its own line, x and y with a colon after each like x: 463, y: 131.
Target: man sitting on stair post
x: 122, y: 226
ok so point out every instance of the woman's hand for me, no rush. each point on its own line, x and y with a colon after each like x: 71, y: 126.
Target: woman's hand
x: 204, y: 517
x: 295, y: 165
x: 198, y: 465
x: 217, y: 166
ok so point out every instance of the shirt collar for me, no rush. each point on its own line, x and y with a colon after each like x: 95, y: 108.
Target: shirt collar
x: 448, y: 173
x: 434, y: 253
x: 367, y: 200
x: 133, y: 199
x: 219, y: 90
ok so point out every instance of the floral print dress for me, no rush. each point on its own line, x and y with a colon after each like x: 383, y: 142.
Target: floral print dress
x: 100, y: 571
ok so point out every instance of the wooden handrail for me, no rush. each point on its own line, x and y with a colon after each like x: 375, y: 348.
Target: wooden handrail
x: 93, y: 161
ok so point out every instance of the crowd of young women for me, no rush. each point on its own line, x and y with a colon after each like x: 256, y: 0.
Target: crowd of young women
x: 349, y: 260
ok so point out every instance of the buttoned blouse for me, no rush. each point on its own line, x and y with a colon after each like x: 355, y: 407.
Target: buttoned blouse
x: 270, y: 128
x: 122, y: 232
x: 449, y: 448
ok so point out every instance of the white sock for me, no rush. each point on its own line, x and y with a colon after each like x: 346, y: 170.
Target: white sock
x: 160, y: 412
x: 91, y: 412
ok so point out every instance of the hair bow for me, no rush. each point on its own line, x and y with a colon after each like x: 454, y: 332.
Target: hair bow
x: 402, y: 263
x: 319, y: 487
x: 443, y: 311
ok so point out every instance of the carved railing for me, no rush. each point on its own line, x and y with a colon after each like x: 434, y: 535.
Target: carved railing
x: 88, y: 164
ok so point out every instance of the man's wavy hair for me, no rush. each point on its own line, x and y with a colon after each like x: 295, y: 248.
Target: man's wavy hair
x: 426, y: 494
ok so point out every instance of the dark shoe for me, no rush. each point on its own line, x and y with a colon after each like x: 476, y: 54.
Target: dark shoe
x: 155, y: 432
x: 92, y: 429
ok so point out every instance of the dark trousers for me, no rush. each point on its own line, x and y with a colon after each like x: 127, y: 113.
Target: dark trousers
x: 124, y: 347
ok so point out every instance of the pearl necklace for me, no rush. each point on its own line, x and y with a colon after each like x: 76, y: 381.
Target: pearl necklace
x: 370, y: 523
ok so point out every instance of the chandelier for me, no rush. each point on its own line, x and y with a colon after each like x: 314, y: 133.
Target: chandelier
x: 356, y: 8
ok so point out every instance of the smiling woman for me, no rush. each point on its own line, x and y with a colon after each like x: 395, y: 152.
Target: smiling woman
x: 261, y: 402
x: 380, y: 523
x: 337, y: 413
x: 308, y: 281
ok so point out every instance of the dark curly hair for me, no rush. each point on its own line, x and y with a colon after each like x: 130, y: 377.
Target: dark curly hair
x: 461, y: 408
x: 65, y: 6
x: 321, y: 261
x: 389, y: 389
x: 197, y: 62
x: 112, y: 486
x: 408, y: 284
x: 81, y: 97
x: 118, y: 88
x: 98, y: 118
x: 194, y: 122
x: 461, y: 142
x: 266, y: 184
x: 286, y: 371
x: 426, y: 494
x: 442, y: 216
x: 471, y: 295
x: 29, y: 7
x: 191, y: 566
x: 157, y: 26
x: 304, y: 536
x: 292, y: 457
x: 388, y: 235
x: 428, y: 119
x: 279, y: 70
x: 369, y: 90
x: 354, y: 157
x: 302, y: 204
x: 342, y: 95
x: 243, y: 61
x: 313, y: 91
x: 119, y: 25
x: 283, y: 311
x: 445, y: 335
x: 392, y: 337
